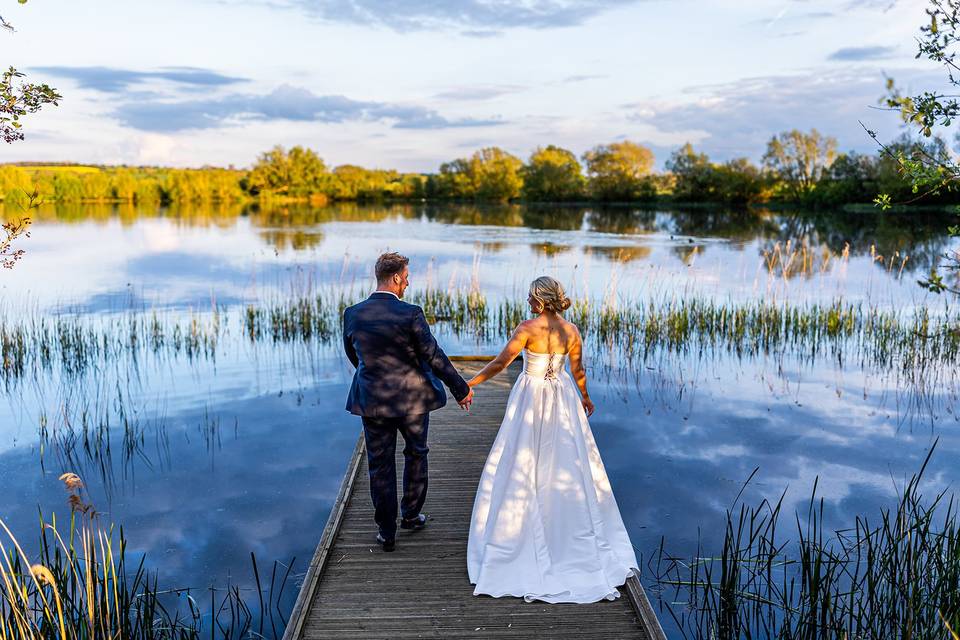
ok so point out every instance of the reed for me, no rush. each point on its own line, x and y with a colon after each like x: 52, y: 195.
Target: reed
x: 79, y: 586
x: 896, y: 576
x: 909, y: 341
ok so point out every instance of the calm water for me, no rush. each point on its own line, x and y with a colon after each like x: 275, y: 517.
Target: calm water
x: 245, y: 453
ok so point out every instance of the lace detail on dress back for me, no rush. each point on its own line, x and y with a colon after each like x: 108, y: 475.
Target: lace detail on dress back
x: 542, y: 365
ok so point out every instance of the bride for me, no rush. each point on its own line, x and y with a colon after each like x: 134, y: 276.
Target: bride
x: 545, y: 524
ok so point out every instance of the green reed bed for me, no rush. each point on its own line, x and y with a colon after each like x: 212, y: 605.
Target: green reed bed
x: 849, y: 333
x: 793, y: 577
x: 876, y: 338
x: 73, y: 344
x: 78, y: 585
x: 302, y: 319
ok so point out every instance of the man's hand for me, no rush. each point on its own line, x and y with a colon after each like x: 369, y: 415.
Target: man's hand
x: 467, y: 400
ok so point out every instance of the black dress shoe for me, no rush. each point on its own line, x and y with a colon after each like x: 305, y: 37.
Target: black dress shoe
x: 414, y: 524
x: 387, y: 545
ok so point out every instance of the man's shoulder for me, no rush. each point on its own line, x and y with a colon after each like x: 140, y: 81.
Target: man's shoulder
x: 391, y: 302
x: 409, y: 306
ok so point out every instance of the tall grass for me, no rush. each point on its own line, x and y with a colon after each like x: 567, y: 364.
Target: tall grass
x: 79, y: 586
x: 895, y: 576
x: 908, y: 341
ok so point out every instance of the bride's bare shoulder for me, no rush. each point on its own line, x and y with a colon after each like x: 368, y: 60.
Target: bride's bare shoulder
x: 572, y: 328
x: 525, y: 327
x: 573, y: 334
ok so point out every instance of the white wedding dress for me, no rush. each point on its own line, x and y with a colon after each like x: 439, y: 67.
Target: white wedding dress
x: 545, y: 523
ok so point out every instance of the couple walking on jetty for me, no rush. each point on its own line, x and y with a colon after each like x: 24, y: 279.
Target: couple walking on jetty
x: 545, y: 524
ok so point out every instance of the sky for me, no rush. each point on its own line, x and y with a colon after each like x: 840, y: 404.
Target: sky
x: 409, y: 84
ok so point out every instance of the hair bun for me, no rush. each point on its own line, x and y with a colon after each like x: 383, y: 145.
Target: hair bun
x: 548, y: 295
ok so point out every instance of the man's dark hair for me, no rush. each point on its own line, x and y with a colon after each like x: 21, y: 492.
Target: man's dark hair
x: 390, y: 264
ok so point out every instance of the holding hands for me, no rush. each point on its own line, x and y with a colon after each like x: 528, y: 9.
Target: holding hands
x: 466, y: 401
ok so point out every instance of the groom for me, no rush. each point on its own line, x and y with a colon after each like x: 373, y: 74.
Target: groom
x: 394, y: 389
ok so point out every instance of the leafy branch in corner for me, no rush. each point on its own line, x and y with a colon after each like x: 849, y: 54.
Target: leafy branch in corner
x: 18, y: 99
x: 17, y: 228
x: 930, y: 173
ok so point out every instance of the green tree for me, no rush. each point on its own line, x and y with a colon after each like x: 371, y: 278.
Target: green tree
x: 149, y: 191
x: 222, y: 185
x: 350, y: 182
x: 694, y: 174
x: 301, y: 172
x: 553, y: 175
x: 12, y: 177
x: 930, y: 174
x: 496, y: 175
x: 455, y: 181
x: 799, y: 159
x: 123, y: 184
x: 618, y: 171
x: 409, y: 186
x: 739, y: 181
x: 67, y: 187
x: 489, y: 175
x: 851, y: 178
x: 96, y: 186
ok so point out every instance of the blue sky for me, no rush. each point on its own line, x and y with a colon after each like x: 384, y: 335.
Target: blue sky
x: 411, y: 83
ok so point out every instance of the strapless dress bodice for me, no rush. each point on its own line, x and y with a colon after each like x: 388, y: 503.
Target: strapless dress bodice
x: 543, y: 365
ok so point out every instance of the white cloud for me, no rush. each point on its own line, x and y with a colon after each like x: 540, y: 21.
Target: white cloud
x: 738, y: 118
x: 479, y: 17
x: 156, y: 149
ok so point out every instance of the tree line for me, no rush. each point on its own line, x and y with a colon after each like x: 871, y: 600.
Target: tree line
x: 797, y: 167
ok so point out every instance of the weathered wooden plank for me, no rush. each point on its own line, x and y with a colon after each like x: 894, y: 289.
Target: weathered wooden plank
x: 354, y: 590
x: 638, y: 598
x: 560, y: 632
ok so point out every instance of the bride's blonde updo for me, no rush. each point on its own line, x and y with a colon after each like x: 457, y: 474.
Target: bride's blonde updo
x: 548, y: 294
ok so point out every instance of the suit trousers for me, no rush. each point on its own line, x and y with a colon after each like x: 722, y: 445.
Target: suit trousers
x: 380, y: 435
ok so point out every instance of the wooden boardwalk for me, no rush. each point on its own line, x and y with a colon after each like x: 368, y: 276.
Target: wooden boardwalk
x: 354, y: 590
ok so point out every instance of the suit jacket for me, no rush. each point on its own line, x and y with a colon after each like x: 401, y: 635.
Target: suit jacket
x: 399, y: 363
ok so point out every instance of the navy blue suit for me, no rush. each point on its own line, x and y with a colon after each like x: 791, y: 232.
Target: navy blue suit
x: 396, y: 385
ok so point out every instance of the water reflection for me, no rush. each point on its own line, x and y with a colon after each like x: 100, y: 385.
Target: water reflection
x: 204, y: 461
x: 738, y: 225
x: 462, y: 214
x: 623, y: 220
x: 293, y: 239
x: 246, y: 455
x: 620, y: 254
x: 920, y: 233
x: 550, y: 250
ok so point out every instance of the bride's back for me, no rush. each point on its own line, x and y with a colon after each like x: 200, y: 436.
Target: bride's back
x: 550, y: 333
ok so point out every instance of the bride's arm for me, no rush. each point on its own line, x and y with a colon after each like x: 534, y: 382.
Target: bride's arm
x: 515, y: 345
x: 580, y: 373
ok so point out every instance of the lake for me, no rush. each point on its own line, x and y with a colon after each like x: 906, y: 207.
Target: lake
x: 205, y: 460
